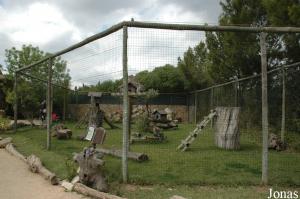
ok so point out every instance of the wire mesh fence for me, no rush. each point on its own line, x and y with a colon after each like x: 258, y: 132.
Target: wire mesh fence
x: 159, y: 51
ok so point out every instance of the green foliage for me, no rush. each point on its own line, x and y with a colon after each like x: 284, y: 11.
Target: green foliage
x: 4, y: 123
x: 143, y: 124
x: 193, y: 67
x: 31, y: 92
x: 71, y: 169
x: 105, y: 86
x: 165, y: 79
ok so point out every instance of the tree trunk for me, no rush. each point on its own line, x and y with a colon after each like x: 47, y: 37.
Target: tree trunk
x: 140, y: 157
x: 227, y: 134
x: 91, y: 169
x: 35, y: 165
x: 5, y: 142
x: 11, y: 149
x: 87, y: 191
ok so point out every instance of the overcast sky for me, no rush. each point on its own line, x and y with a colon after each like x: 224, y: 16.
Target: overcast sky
x: 55, y: 24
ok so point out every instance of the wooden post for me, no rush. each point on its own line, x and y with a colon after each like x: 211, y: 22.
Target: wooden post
x: 49, y: 102
x: 16, y: 103
x: 76, y: 95
x: 264, y: 101
x: 236, y: 93
x: 195, y: 103
x: 64, y: 106
x: 211, y: 105
x: 125, y: 108
x: 283, y: 105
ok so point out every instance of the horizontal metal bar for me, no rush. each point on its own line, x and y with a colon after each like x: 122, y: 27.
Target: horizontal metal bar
x: 247, y: 78
x: 43, y: 80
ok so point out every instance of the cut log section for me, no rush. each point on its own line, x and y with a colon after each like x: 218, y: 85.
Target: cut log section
x: 87, y: 191
x: 12, y: 150
x: 35, y: 165
x: 227, y: 134
x: 5, y: 142
x: 63, y: 134
x: 140, y: 157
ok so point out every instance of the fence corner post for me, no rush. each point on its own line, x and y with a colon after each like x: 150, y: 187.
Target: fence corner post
x: 283, y: 105
x: 125, y: 108
x: 16, y: 102
x: 264, y: 99
x: 49, y: 103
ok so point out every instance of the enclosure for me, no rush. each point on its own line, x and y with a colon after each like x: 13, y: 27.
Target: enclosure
x: 268, y: 101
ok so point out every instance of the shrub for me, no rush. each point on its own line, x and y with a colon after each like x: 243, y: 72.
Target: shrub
x: 4, y: 123
x: 143, y: 123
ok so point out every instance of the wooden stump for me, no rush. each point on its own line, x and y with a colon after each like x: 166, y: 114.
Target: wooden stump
x: 91, y: 169
x: 5, y: 142
x: 227, y: 134
x: 35, y: 165
x: 64, y: 134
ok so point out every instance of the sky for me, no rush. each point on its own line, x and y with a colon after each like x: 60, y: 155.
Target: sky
x: 53, y: 25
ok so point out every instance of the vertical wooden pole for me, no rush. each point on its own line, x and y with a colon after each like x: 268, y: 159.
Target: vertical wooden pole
x: 195, y: 104
x: 49, y: 102
x: 65, y: 105
x: 236, y: 93
x: 125, y: 108
x: 283, y: 105
x: 212, y: 105
x: 264, y: 101
x: 76, y: 95
x: 16, y: 102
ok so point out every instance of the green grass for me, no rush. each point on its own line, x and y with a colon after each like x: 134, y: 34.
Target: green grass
x: 204, y: 164
x: 196, y: 192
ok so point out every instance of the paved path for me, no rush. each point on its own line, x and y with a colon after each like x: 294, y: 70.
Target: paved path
x: 17, y: 182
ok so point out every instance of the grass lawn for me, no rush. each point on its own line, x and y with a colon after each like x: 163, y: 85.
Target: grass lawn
x: 203, y: 164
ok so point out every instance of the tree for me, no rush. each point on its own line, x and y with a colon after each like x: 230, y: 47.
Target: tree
x: 165, y: 79
x: 32, y: 92
x: 193, y: 67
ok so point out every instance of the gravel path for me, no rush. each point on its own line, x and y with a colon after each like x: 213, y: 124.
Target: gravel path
x: 17, y: 182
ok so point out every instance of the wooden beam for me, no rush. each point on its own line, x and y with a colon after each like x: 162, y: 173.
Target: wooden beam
x: 264, y: 100
x: 125, y: 108
x: 16, y: 102
x: 166, y: 26
x: 283, y: 105
x: 49, y: 102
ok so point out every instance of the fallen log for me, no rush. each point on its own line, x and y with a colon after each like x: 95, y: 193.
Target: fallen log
x: 140, y: 157
x: 87, y: 191
x: 5, y: 142
x: 35, y: 165
x: 12, y: 150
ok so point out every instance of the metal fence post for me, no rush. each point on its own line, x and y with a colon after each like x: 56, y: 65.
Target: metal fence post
x: 49, y: 104
x: 125, y: 108
x: 283, y: 105
x: 264, y: 99
x: 16, y: 102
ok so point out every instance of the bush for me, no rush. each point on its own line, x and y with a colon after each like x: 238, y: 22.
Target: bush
x: 71, y: 169
x: 4, y: 123
x: 143, y: 124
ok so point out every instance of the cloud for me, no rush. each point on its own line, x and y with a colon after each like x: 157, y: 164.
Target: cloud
x: 56, y: 24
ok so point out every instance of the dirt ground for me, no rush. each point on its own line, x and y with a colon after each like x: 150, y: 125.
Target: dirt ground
x: 17, y: 182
